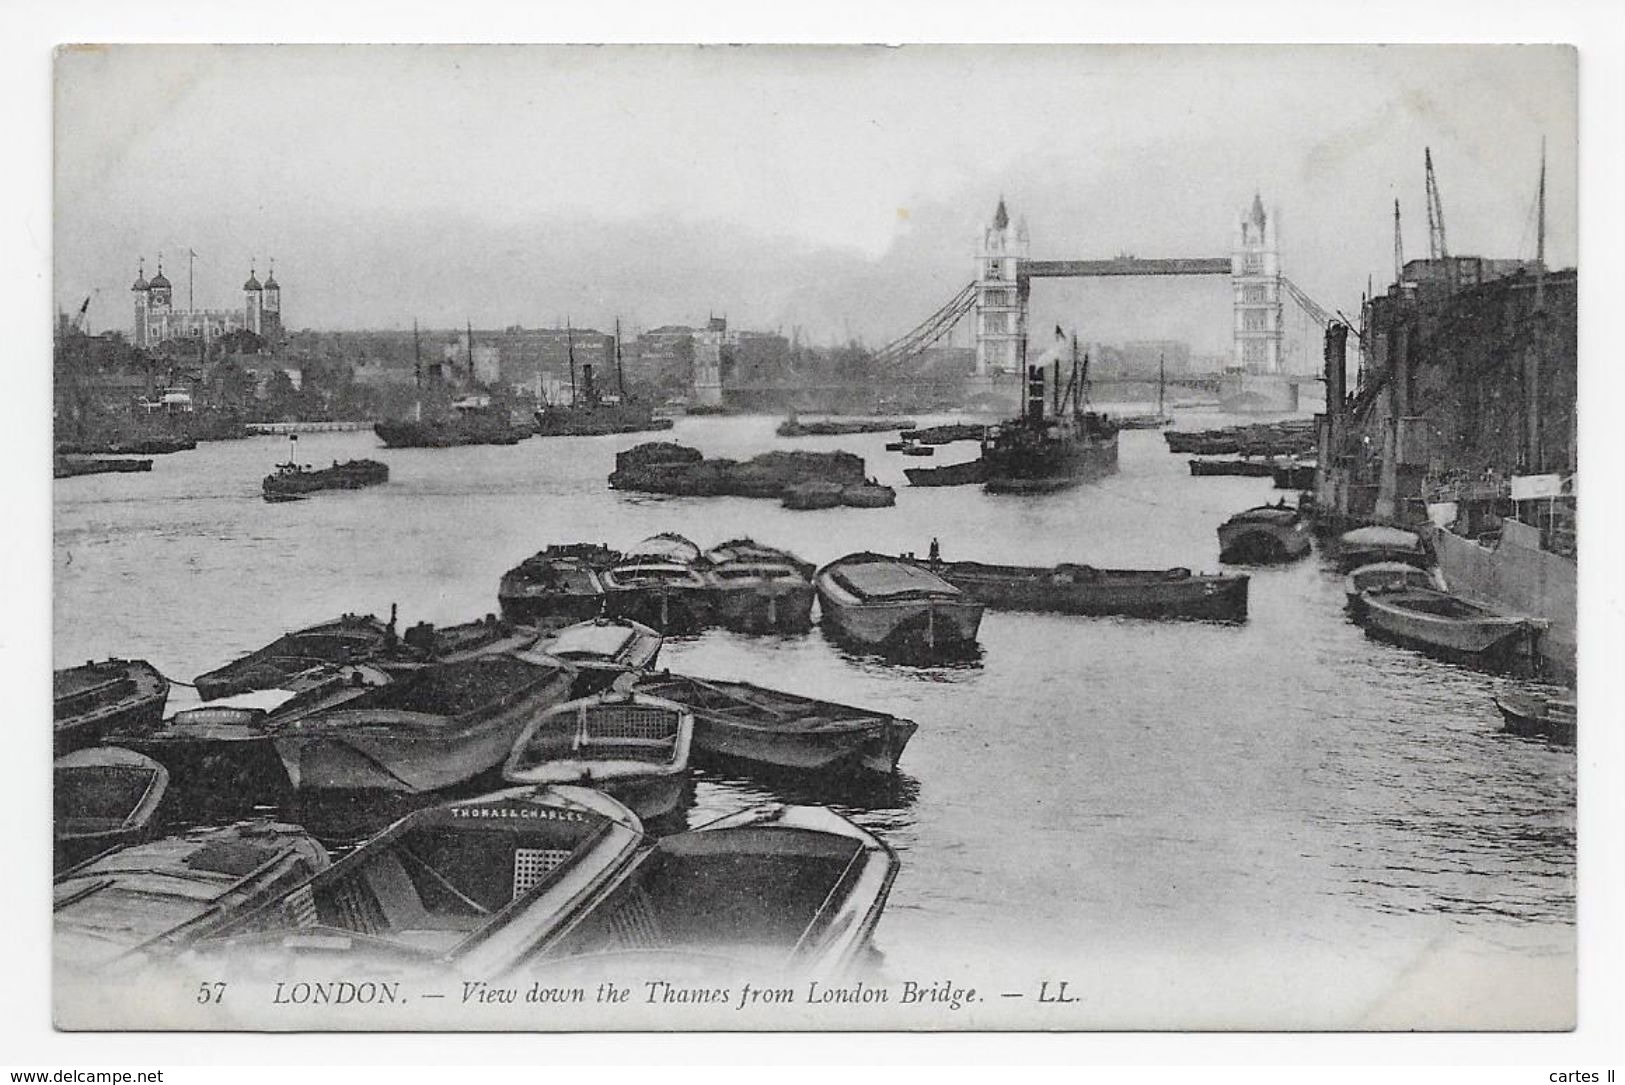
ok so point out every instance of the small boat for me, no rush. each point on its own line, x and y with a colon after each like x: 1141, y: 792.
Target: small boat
x: 296, y: 480
x: 433, y: 728
x: 631, y: 746
x: 1083, y: 589
x: 659, y: 583
x: 914, y: 448
x: 1295, y: 474
x: 103, y: 797
x: 281, y: 498
x: 971, y: 472
x: 944, y: 434
x: 898, y: 603
x: 1245, y: 468
x: 1447, y: 624
x: 1533, y: 715
x: 155, y: 899
x: 813, y: 494
x: 600, y: 651
x: 789, y: 890
x: 896, y: 446
x: 96, y: 698
x: 1265, y: 535
x: 1382, y: 576
x: 491, y: 876
x: 739, y: 721
x: 757, y: 588
x: 349, y: 638
x: 560, y: 583
x: 1366, y: 545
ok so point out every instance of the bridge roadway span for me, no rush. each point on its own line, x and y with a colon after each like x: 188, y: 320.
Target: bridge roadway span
x: 1122, y: 265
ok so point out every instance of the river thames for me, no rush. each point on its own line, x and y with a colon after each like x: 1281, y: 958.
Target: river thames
x: 1280, y: 823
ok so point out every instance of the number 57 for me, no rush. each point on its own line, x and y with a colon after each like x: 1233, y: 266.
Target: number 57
x: 210, y: 992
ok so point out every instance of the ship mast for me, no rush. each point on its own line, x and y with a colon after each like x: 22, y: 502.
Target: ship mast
x: 1162, y: 380
x: 417, y: 373
x: 570, y: 349
x: 620, y: 377
x: 1538, y: 321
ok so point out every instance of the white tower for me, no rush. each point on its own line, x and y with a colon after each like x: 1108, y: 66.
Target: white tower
x: 1000, y: 322
x: 1255, y: 273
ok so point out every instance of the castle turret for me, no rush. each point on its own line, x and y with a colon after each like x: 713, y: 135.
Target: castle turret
x: 271, y: 306
x: 159, y: 292
x: 143, y: 300
x: 253, y: 303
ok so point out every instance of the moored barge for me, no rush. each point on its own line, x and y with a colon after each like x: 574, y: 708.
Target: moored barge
x: 895, y: 604
x: 1084, y: 589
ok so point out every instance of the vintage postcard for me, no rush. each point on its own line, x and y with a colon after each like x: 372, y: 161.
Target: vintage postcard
x: 609, y: 538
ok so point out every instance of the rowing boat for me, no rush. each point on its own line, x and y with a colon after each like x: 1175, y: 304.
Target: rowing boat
x: 631, y: 746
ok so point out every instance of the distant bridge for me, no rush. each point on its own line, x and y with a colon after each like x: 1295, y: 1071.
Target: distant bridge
x: 1121, y: 265
x: 997, y: 300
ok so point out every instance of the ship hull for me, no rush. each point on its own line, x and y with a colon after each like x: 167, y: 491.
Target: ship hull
x: 1062, y: 469
x: 393, y: 750
x: 755, y: 610
x: 1082, y: 590
x: 1517, y: 576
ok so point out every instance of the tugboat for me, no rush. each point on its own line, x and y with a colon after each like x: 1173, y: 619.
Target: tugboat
x: 1041, y: 453
x: 292, y: 479
x: 594, y: 415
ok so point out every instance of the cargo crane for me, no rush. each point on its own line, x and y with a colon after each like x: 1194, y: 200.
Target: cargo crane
x: 1438, y: 249
x: 1399, y: 249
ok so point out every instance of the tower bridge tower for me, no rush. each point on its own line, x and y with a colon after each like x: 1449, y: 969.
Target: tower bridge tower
x: 1255, y: 275
x: 1001, y: 304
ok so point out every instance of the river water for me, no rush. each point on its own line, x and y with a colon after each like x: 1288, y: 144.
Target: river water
x: 1279, y: 823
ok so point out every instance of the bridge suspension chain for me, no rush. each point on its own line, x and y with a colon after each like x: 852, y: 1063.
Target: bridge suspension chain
x: 931, y: 329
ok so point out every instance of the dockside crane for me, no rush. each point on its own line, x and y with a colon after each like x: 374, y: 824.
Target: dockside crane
x: 1399, y: 249
x: 1438, y: 249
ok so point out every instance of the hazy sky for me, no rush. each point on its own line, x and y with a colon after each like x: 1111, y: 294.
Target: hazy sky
x: 838, y: 189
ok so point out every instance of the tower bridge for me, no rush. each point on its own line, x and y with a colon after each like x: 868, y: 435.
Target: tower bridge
x: 998, y: 300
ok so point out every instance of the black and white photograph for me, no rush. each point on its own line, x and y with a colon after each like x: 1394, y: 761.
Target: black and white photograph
x: 925, y: 537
